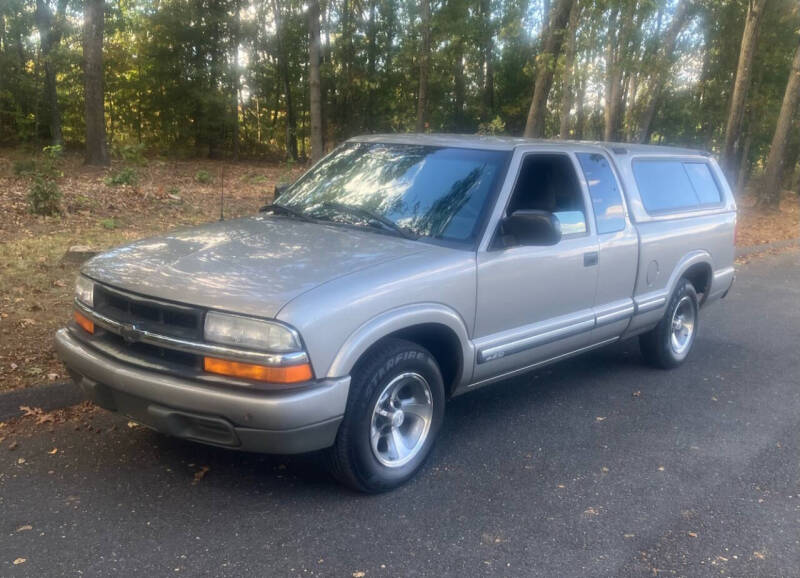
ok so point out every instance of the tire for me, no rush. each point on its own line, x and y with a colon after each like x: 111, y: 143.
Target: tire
x: 392, y: 391
x: 668, y: 344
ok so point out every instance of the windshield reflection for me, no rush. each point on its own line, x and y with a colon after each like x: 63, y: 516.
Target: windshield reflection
x: 428, y: 191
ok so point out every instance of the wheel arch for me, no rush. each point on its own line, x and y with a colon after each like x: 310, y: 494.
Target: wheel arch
x: 698, y: 268
x: 438, y: 328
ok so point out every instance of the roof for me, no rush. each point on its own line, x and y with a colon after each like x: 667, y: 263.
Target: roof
x: 509, y: 143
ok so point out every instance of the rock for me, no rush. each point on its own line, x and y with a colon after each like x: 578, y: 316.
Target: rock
x: 78, y: 254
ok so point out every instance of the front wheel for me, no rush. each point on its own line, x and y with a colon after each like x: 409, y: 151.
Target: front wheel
x: 669, y: 343
x: 394, y: 412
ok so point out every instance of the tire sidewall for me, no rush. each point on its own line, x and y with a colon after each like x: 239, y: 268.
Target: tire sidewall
x: 371, y: 473
x: 685, y: 289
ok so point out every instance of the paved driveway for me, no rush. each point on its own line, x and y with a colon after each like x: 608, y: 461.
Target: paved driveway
x: 593, y: 467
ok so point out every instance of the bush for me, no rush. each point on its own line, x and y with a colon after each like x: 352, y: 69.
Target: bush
x: 125, y: 176
x: 203, y: 177
x: 24, y: 167
x: 108, y: 223
x: 44, y: 196
x: 495, y: 127
x: 130, y: 153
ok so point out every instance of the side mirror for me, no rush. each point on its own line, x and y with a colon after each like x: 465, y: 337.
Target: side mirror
x: 533, y: 227
x: 279, y: 190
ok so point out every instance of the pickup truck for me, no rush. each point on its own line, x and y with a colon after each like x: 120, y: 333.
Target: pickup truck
x: 396, y: 273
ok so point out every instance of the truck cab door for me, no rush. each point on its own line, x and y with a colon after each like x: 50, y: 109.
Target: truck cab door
x: 535, y: 302
x: 618, y: 246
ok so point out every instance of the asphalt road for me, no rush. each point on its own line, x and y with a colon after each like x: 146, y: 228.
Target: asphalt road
x: 594, y: 467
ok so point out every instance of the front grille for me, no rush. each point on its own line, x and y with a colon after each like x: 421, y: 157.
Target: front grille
x: 146, y: 354
x: 160, y: 317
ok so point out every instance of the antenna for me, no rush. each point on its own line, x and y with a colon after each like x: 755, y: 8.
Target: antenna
x: 222, y: 193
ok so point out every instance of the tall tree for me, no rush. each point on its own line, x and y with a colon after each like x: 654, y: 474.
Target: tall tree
x: 96, y: 146
x: 545, y: 67
x: 755, y: 10
x: 620, y: 30
x: 315, y: 96
x: 283, y: 66
x: 424, y: 65
x: 665, y: 57
x: 771, y: 188
x: 568, y: 79
x: 236, y: 89
x: 50, y: 31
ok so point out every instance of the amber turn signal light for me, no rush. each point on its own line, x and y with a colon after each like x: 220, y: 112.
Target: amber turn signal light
x: 289, y: 374
x: 85, y: 322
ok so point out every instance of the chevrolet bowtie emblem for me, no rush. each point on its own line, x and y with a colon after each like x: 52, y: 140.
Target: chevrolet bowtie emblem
x: 130, y: 333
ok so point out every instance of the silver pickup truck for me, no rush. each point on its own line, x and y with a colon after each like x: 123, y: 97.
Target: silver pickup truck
x: 398, y: 272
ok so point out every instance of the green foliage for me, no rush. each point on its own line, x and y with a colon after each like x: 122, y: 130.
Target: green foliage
x: 203, y: 177
x: 44, y: 196
x: 108, y: 223
x: 495, y: 127
x: 125, y: 176
x: 130, y: 153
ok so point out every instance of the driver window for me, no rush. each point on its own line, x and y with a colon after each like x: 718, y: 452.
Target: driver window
x: 547, y: 182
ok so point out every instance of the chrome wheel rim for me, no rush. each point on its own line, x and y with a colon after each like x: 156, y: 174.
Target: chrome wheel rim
x: 683, y: 325
x: 401, y: 420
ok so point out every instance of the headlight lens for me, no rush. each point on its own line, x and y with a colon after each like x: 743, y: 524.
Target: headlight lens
x: 84, y: 290
x: 250, y: 333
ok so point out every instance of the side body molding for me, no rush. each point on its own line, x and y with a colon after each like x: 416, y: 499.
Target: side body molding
x: 397, y: 319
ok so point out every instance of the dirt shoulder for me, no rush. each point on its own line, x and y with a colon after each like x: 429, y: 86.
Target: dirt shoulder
x: 36, y: 285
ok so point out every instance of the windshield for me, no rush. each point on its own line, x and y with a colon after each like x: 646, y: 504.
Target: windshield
x: 418, y: 191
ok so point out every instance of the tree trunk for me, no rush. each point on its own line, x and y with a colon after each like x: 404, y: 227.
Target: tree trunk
x: 545, y: 66
x: 663, y: 65
x: 96, y: 147
x: 616, y: 49
x: 236, y: 84
x: 315, y: 97
x: 49, y: 38
x: 755, y: 10
x: 372, y: 57
x: 771, y: 189
x: 569, y: 76
x: 487, y: 73
x: 424, y: 63
x: 283, y: 66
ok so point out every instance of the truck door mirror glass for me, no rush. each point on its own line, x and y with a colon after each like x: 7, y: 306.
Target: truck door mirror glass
x: 530, y: 227
x: 572, y: 222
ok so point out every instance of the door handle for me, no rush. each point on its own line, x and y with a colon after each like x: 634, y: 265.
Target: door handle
x: 590, y: 259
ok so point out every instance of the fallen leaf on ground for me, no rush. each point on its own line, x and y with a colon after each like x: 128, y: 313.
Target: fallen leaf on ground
x: 53, y: 451
x: 359, y: 574
x: 637, y: 394
x: 132, y: 424
x: 600, y: 418
x: 200, y: 474
x: 759, y: 555
x: 19, y: 561
x: 21, y: 461
x: 660, y: 468
x: 591, y: 512
x: 693, y: 534
x: 12, y: 446
x: 25, y: 528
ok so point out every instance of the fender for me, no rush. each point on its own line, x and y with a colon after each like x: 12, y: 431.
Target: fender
x: 394, y: 320
x: 656, y: 300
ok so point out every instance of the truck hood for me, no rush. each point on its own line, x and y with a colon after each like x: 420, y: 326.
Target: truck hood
x: 252, y: 266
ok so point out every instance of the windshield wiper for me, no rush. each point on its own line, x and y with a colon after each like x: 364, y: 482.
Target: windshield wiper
x: 287, y: 211
x: 372, y: 219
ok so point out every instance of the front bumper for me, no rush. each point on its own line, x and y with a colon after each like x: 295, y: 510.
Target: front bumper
x: 283, y: 422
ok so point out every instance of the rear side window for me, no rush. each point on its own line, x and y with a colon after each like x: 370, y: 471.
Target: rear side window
x: 672, y: 185
x: 604, y: 191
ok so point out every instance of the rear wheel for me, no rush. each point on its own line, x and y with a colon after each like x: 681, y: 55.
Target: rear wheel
x: 394, y: 412
x: 669, y: 343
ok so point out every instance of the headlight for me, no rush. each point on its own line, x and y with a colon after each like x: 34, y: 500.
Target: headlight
x: 250, y: 333
x: 84, y: 290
